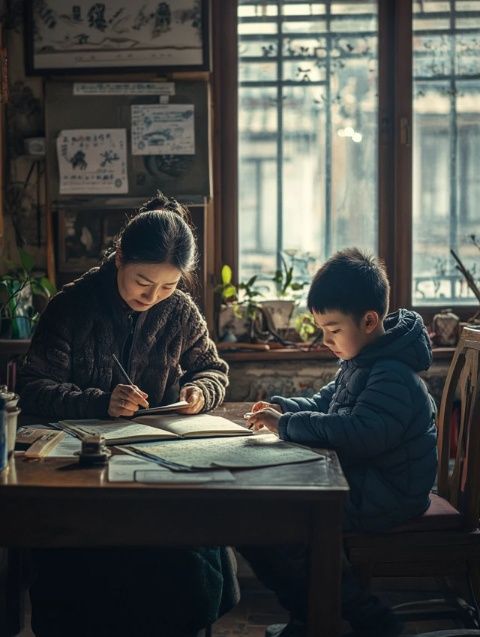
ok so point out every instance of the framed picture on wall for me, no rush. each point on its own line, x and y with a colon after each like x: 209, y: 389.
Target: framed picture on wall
x: 84, y: 234
x: 80, y: 36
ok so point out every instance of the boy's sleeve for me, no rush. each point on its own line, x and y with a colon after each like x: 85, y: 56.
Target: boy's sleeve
x: 376, y: 423
x: 319, y: 402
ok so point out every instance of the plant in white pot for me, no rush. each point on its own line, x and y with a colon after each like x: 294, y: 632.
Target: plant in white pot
x: 288, y: 288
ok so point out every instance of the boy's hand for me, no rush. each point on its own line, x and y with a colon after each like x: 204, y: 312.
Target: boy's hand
x: 262, y: 404
x: 268, y: 418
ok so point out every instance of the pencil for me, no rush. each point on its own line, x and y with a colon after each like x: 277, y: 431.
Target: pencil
x: 120, y: 367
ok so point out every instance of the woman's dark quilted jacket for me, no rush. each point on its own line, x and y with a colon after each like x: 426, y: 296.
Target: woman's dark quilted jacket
x: 69, y: 371
x: 380, y: 419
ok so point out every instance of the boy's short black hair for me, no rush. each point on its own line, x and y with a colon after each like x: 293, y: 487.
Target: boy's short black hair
x: 351, y: 282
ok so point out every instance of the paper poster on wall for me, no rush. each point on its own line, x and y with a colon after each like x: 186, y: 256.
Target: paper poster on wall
x: 124, y: 88
x: 163, y: 129
x: 92, y: 161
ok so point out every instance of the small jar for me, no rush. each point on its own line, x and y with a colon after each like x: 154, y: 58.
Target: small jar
x: 446, y: 326
x: 10, y: 399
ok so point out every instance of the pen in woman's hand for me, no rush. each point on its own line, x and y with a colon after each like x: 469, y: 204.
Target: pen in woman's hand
x: 126, y: 399
x: 120, y: 367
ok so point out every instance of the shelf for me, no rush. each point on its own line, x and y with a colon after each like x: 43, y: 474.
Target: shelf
x: 297, y: 354
x: 14, y: 346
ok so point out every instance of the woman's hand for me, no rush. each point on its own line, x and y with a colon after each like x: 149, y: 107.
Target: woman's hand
x: 195, y: 399
x: 268, y: 418
x: 126, y: 400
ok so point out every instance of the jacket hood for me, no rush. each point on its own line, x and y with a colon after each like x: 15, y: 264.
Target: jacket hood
x: 405, y: 339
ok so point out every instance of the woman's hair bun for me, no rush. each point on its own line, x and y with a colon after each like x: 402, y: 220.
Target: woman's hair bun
x: 160, y: 201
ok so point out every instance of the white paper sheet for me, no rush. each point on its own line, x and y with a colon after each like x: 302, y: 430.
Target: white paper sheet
x: 124, y: 88
x: 256, y: 451
x: 92, y: 161
x: 124, y: 468
x: 163, y: 129
x: 66, y: 448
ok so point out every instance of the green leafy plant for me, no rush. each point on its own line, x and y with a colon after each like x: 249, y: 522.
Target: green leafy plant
x: 305, y: 326
x: 18, y: 287
x: 249, y: 295
x: 226, y: 288
x: 236, y: 296
x: 284, y: 279
x: 241, y: 299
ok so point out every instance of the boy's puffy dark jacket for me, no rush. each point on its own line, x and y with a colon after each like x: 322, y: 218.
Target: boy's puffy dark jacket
x: 379, y: 418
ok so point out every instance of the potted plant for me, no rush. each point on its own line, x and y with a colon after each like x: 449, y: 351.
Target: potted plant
x: 239, y: 308
x: 19, y: 287
x: 305, y: 326
x: 287, y: 289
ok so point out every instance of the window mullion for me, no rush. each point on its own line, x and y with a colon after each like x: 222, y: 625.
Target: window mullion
x: 386, y: 117
x: 280, y: 155
x: 402, y: 133
x: 328, y: 132
x: 453, y: 136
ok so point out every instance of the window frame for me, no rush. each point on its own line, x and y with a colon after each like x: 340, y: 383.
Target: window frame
x: 395, y: 158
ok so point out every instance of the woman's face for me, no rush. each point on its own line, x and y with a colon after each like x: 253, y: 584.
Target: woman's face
x: 143, y: 285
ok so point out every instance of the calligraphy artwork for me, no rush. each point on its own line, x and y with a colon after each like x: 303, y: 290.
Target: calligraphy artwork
x: 92, y: 161
x: 96, y: 36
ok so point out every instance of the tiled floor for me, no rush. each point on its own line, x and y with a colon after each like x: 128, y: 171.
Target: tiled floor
x: 258, y: 608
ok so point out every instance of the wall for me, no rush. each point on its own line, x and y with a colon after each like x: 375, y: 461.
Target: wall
x: 26, y: 213
x: 24, y: 205
x: 259, y: 380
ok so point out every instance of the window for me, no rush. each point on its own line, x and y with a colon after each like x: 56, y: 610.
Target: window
x: 307, y: 86
x: 358, y: 124
x: 446, y: 106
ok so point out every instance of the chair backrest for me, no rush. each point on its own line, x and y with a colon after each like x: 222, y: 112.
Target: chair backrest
x: 460, y: 483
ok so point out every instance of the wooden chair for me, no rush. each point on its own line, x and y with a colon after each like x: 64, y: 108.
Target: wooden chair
x: 445, y: 541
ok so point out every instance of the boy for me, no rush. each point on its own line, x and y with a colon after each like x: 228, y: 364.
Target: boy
x: 377, y: 415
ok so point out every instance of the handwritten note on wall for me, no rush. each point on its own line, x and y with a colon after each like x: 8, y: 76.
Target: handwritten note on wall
x: 92, y: 161
x: 163, y: 129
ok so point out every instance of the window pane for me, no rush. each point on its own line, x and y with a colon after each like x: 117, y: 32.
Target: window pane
x: 446, y: 153
x: 307, y: 131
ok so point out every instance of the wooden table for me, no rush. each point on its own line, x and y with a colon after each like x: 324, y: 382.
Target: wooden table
x: 53, y: 503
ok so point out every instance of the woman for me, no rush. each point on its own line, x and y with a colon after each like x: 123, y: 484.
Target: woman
x: 130, y: 306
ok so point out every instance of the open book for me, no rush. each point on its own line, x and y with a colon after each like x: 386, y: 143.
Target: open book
x: 154, y: 427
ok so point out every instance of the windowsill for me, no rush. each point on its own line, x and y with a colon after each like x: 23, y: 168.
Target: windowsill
x: 303, y: 353
x: 14, y: 346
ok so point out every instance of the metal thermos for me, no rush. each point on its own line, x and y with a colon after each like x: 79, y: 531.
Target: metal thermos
x: 10, y: 400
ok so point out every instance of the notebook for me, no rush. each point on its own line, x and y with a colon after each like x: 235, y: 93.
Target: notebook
x: 162, y: 409
x: 154, y: 427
